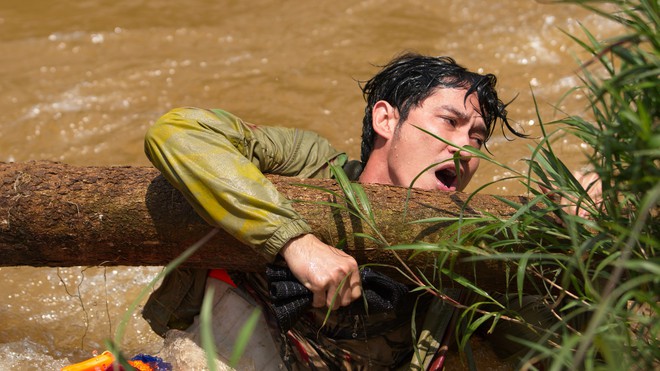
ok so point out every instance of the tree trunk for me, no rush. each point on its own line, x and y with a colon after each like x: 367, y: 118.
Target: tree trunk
x: 53, y: 214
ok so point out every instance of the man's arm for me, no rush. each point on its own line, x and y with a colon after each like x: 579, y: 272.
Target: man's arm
x: 217, y: 162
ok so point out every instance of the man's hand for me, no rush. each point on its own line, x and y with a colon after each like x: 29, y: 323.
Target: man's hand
x: 591, y: 183
x: 326, y: 271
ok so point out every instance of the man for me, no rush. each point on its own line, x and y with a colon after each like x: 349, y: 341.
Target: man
x: 217, y: 161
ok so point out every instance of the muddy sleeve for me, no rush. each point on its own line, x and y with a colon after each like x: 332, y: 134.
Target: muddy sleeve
x: 218, y: 162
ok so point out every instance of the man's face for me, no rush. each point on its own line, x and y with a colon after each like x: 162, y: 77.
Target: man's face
x: 447, y: 115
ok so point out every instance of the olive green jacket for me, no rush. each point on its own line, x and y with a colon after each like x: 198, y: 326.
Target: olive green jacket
x: 218, y: 162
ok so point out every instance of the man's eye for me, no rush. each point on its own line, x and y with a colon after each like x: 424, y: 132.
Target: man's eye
x: 450, y: 121
x: 478, y: 141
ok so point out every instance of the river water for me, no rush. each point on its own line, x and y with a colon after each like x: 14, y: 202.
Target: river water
x: 82, y: 80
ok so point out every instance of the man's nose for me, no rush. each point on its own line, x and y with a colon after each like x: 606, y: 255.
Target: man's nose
x: 459, y: 143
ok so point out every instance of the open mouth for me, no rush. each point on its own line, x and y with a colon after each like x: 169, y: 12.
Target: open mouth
x: 447, y: 177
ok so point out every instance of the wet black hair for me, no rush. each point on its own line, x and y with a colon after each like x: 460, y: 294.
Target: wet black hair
x: 407, y: 80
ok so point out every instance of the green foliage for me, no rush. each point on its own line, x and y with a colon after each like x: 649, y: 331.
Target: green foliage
x: 597, y: 268
x: 206, y: 328
x: 244, y: 337
x: 591, y: 256
x: 614, y: 265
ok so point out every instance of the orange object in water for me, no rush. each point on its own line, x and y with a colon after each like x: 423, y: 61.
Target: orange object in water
x: 140, y: 366
x: 98, y: 363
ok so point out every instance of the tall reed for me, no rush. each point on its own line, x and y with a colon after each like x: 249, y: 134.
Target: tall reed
x: 592, y: 257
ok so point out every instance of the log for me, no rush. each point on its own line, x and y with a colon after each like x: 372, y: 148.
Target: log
x: 57, y: 215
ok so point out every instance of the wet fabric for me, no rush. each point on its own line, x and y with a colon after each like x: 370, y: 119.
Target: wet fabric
x: 218, y: 163
x: 341, y: 340
x: 290, y: 298
x: 231, y: 310
x: 176, y: 302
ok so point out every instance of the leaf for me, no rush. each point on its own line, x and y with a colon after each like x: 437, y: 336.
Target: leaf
x: 244, y: 336
x: 206, y: 329
x: 466, y: 283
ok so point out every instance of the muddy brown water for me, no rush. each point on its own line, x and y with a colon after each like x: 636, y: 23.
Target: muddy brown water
x: 82, y: 80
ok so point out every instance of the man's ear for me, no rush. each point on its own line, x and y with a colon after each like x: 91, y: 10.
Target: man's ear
x: 384, y: 119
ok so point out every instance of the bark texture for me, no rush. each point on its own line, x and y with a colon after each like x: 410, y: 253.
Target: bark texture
x: 53, y: 214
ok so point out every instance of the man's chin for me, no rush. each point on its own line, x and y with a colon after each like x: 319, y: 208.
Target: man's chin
x: 435, y: 185
x: 440, y: 186
x: 445, y: 188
